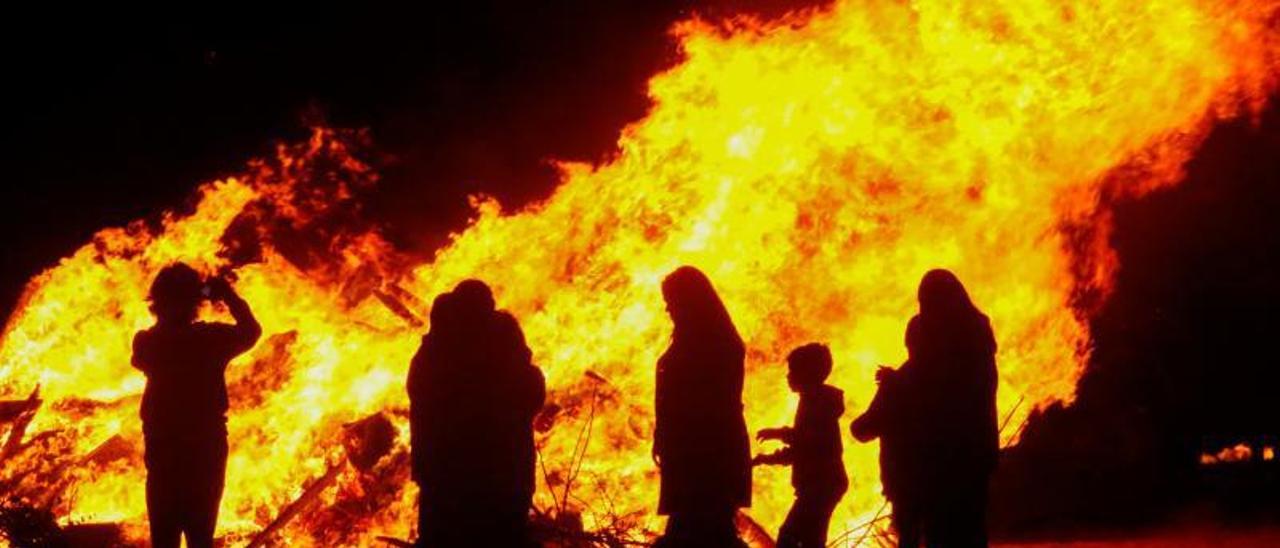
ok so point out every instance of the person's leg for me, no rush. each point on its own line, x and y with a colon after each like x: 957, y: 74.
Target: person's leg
x: 209, y: 468
x: 788, y: 534
x: 703, y: 529
x: 826, y: 507
x: 162, y: 492
x: 162, y: 511
x: 807, y: 523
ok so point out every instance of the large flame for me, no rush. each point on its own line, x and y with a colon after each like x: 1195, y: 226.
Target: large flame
x: 813, y: 166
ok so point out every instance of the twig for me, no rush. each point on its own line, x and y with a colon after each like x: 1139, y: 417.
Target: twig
x: 1005, y: 422
x: 395, y: 541
x: 580, y: 447
x: 870, y: 525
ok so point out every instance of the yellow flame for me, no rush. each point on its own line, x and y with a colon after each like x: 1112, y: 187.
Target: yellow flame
x: 813, y: 166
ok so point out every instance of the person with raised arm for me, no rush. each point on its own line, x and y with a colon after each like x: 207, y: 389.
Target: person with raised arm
x: 184, y: 404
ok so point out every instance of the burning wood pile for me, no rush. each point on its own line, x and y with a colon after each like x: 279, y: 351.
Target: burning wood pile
x: 812, y: 166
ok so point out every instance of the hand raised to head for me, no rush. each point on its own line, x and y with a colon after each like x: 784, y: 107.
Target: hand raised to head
x: 219, y: 289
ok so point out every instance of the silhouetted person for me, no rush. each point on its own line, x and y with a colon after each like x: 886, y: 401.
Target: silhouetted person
x: 700, y: 437
x: 950, y: 382
x: 184, y: 405
x: 891, y: 418
x: 473, y: 393
x: 813, y: 449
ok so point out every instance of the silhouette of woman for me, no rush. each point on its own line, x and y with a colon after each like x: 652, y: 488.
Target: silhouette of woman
x: 953, y: 372
x: 700, y: 438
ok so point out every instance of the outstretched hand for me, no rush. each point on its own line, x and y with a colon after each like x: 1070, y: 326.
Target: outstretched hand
x: 772, y: 434
x: 767, y: 459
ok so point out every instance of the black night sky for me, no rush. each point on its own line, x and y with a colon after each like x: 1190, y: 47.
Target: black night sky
x: 115, y: 117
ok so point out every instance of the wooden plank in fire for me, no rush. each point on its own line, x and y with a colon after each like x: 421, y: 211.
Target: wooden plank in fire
x: 21, y: 413
x: 299, y: 505
x: 365, y: 442
x: 11, y: 410
x: 396, y: 306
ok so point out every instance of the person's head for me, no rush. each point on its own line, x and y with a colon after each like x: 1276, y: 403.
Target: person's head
x: 808, y: 366
x: 689, y: 295
x: 942, y: 294
x: 175, y: 294
x: 473, y: 301
x: 696, y: 310
x: 443, y: 311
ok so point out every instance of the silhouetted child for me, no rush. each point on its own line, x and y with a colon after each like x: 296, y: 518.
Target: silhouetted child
x: 813, y: 448
x: 184, y: 405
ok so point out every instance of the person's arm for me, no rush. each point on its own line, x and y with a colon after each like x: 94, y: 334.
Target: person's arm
x: 246, y: 331
x: 141, y: 353
x: 784, y: 434
x: 870, y: 425
x: 782, y: 457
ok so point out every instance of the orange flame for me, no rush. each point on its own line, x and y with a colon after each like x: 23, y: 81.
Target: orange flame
x: 813, y: 166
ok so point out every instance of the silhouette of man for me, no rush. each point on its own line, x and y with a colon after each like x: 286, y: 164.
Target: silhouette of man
x: 473, y: 393
x: 184, y: 404
x: 813, y: 449
x: 700, y: 440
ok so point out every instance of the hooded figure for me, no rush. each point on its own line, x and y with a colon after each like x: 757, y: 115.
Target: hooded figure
x: 473, y: 394
x: 700, y: 438
x: 952, y: 377
x: 936, y: 420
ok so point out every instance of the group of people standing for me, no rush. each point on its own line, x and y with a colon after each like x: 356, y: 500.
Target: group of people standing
x: 474, y: 394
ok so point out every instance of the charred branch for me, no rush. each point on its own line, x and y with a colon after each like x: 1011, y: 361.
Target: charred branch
x: 397, y: 307
x: 304, y: 501
x: 23, y: 413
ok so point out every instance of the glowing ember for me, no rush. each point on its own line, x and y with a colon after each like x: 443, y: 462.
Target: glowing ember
x: 1237, y: 453
x: 813, y: 167
x: 1240, y: 452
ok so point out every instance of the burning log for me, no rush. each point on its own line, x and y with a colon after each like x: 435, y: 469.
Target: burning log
x: 115, y: 448
x: 368, y: 440
x: 365, y: 442
x: 10, y: 410
x: 753, y: 532
x: 298, y: 506
x: 398, y: 307
x: 20, y: 413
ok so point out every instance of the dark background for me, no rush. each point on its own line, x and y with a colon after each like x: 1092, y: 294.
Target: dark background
x: 115, y: 118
